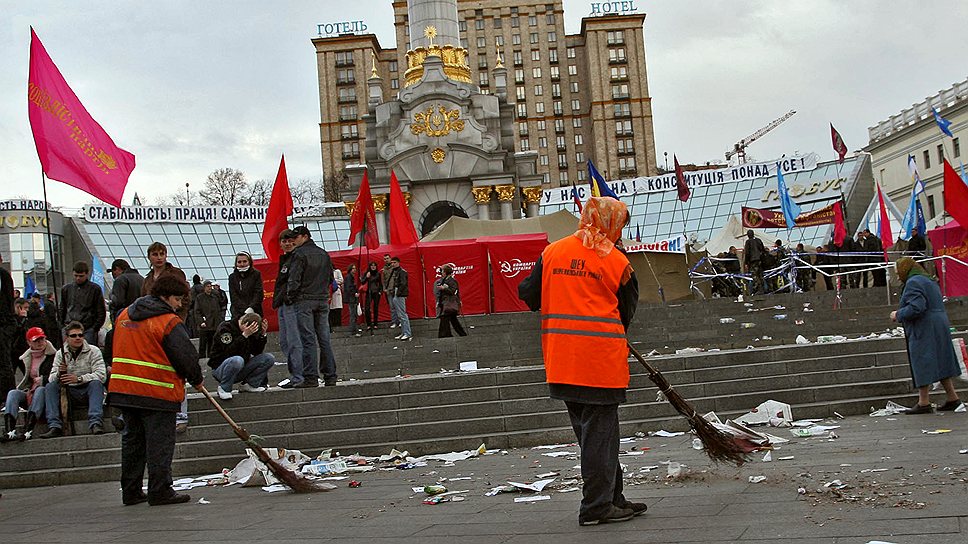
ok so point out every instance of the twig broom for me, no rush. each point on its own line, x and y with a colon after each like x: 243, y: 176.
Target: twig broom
x: 719, y: 446
x: 296, y: 482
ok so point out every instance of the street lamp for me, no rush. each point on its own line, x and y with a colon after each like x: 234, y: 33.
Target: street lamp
x: 188, y: 195
x: 666, y: 155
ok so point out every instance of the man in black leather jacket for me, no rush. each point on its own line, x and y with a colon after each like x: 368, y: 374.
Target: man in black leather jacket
x: 310, y: 275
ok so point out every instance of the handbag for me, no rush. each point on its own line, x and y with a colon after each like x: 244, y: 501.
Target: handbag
x: 450, y: 305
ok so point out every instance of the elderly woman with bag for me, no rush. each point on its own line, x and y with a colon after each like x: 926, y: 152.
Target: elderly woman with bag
x: 449, y: 298
x: 928, y: 333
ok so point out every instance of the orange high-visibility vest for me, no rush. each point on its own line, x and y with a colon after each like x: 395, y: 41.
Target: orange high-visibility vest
x: 582, y: 337
x: 139, y: 365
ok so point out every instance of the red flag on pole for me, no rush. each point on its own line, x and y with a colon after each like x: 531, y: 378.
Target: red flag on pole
x: 363, y: 218
x: 574, y: 196
x: 840, y: 226
x: 277, y: 216
x: 887, y: 239
x: 71, y: 145
x: 681, y: 186
x: 402, y: 230
x: 955, y: 195
x: 839, y: 146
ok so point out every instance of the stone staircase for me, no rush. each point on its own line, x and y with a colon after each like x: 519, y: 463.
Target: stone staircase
x: 375, y: 408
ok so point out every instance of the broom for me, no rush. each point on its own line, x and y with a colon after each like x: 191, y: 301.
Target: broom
x: 296, y: 482
x: 719, y: 446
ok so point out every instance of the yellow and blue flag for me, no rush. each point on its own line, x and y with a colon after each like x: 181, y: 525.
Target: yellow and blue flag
x: 598, y: 185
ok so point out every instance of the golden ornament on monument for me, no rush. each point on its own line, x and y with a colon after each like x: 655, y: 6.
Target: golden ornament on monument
x: 438, y: 155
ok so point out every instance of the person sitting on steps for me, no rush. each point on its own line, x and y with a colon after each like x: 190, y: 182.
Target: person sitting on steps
x: 79, y: 367
x: 38, y: 360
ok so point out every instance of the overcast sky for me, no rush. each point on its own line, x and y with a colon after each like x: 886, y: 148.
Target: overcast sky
x: 191, y: 86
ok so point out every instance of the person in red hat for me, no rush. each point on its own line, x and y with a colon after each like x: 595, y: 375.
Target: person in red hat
x: 37, y: 360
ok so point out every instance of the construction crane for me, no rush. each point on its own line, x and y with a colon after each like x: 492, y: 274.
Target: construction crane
x: 739, y: 148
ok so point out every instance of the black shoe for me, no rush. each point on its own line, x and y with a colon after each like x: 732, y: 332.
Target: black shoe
x: 53, y: 432
x: 307, y: 384
x: 613, y: 515
x: 137, y: 499
x: 174, y: 498
x: 328, y: 383
x: 97, y: 429
x: 918, y: 409
x: 638, y: 508
x: 950, y: 406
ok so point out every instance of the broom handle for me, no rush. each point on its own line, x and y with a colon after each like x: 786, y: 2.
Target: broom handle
x: 242, y: 433
x: 664, y: 386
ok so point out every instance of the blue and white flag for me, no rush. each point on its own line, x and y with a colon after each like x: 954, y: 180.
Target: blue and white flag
x: 29, y: 286
x: 922, y: 224
x: 790, y: 208
x: 917, y: 187
x: 97, y: 274
x: 943, y: 123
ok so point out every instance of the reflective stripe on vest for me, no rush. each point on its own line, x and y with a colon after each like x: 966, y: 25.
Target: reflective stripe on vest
x: 140, y: 366
x: 582, y: 337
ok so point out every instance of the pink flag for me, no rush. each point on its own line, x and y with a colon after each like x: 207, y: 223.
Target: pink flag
x: 72, y: 146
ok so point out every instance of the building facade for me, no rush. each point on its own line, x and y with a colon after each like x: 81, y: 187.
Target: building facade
x: 574, y: 97
x: 913, y: 132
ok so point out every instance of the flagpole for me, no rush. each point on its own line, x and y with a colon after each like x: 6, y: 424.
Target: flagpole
x: 50, y: 239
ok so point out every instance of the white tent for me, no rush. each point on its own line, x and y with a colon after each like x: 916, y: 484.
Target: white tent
x: 733, y: 234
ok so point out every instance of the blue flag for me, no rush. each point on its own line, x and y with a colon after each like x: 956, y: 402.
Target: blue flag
x: 790, y: 208
x: 97, y: 274
x: 917, y: 187
x: 599, y: 187
x: 943, y: 123
x: 29, y: 287
x: 922, y: 224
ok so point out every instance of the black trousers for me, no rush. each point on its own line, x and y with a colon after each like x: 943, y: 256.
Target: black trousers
x: 446, y: 321
x: 148, y: 439
x: 371, y: 309
x: 7, y: 377
x: 596, y: 427
x: 205, y: 338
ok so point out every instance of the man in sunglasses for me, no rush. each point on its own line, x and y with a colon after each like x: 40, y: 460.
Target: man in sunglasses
x: 80, y: 368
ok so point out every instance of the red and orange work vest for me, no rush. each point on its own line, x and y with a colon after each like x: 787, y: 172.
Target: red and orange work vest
x: 139, y: 365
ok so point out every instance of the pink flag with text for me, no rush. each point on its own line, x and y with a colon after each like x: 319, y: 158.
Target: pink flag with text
x: 71, y: 145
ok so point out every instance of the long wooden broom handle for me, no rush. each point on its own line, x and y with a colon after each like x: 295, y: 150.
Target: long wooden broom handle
x: 235, y: 426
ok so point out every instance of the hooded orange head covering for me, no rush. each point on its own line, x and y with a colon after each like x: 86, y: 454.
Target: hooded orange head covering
x: 601, y: 223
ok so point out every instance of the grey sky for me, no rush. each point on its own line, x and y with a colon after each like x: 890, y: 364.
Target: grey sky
x: 189, y: 87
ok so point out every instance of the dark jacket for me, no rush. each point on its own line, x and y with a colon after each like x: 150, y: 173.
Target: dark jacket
x: 84, y: 303
x: 38, y: 317
x: 207, y: 310
x: 245, y: 291
x: 6, y: 296
x: 230, y: 342
x: 178, y: 273
x: 917, y: 244
x: 753, y: 251
x: 127, y: 289
x: 350, y: 289
x: 401, y: 284
x: 373, y: 280
x: 872, y: 244
x: 223, y: 299
x: 282, y: 278
x: 927, y: 330
x: 310, y: 274
x: 178, y: 347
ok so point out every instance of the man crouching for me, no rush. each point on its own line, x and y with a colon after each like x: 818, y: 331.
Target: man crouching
x: 152, y: 358
x: 237, y: 355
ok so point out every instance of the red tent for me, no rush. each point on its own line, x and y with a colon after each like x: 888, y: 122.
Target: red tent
x: 512, y: 258
x: 951, y: 240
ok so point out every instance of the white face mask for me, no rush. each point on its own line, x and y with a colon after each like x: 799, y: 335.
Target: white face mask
x: 241, y: 269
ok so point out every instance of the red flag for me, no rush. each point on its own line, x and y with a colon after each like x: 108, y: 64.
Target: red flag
x: 402, y: 230
x: 840, y: 227
x: 839, y: 146
x: 574, y: 196
x: 885, y: 224
x: 955, y: 195
x: 280, y: 208
x: 681, y: 186
x: 71, y: 145
x: 363, y: 218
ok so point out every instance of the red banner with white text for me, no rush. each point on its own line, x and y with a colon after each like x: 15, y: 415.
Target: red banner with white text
x: 469, y: 261
x: 512, y: 258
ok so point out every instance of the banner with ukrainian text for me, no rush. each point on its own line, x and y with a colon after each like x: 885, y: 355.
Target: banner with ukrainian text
x: 672, y: 245
x: 71, y: 145
x: 757, y: 218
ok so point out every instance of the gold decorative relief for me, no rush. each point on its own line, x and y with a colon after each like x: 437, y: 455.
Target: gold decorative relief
x: 532, y: 195
x: 438, y: 123
x: 454, y: 59
x: 349, y: 206
x: 380, y: 203
x: 505, y: 193
x: 438, y: 155
x: 482, y: 195
x: 407, y: 197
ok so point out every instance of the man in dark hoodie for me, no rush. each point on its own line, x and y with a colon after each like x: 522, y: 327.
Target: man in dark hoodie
x: 127, y: 286
x: 153, y: 357
x: 83, y: 301
x: 245, y: 287
x: 238, y: 355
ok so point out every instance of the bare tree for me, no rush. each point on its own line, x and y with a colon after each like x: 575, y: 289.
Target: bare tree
x: 335, y: 184
x: 257, y: 193
x: 224, y: 187
x: 306, y: 191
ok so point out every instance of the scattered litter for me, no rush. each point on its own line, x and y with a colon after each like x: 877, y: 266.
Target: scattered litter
x: 568, y: 489
x: 768, y: 457
x: 936, y: 431
x: 435, y: 351
x: 799, y: 322
x: 553, y: 446
x: 467, y: 366
x: 434, y: 489
x: 456, y: 479
x: 786, y: 458
x: 779, y: 317
x: 879, y: 542
x: 354, y: 483
x: 533, y: 498
x: 816, y: 430
x: 839, y: 416
x: 688, y: 350
x: 666, y: 434
x: 545, y: 475
x: 394, y: 455
x: 674, y: 470
x: 891, y: 409
x: 828, y: 338
x: 454, y: 455
x: 634, y: 452
x: 560, y: 453
x: 502, y: 489
x: 537, y: 487
x: 766, y: 411
x: 962, y: 452
x: 835, y: 484
x: 697, y: 444
x: 275, y: 488
x: 757, y: 479
x: 869, y: 470
x: 725, y: 320
x: 747, y: 325
x: 203, y: 501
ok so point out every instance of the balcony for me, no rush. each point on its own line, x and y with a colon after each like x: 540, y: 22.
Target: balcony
x: 619, y: 77
x: 346, y: 81
x: 624, y: 132
x: 556, y: 77
x: 622, y: 114
x: 626, y: 152
x: 347, y: 99
x: 561, y: 147
x: 558, y: 113
x: 618, y: 60
x: 559, y: 130
x: 344, y: 62
x: 350, y: 136
x: 620, y: 96
x: 348, y: 117
x: 351, y: 155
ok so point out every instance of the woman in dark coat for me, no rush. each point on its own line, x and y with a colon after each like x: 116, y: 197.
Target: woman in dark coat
x: 371, y: 284
x: 927, y: 329
x: 446, y: 291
